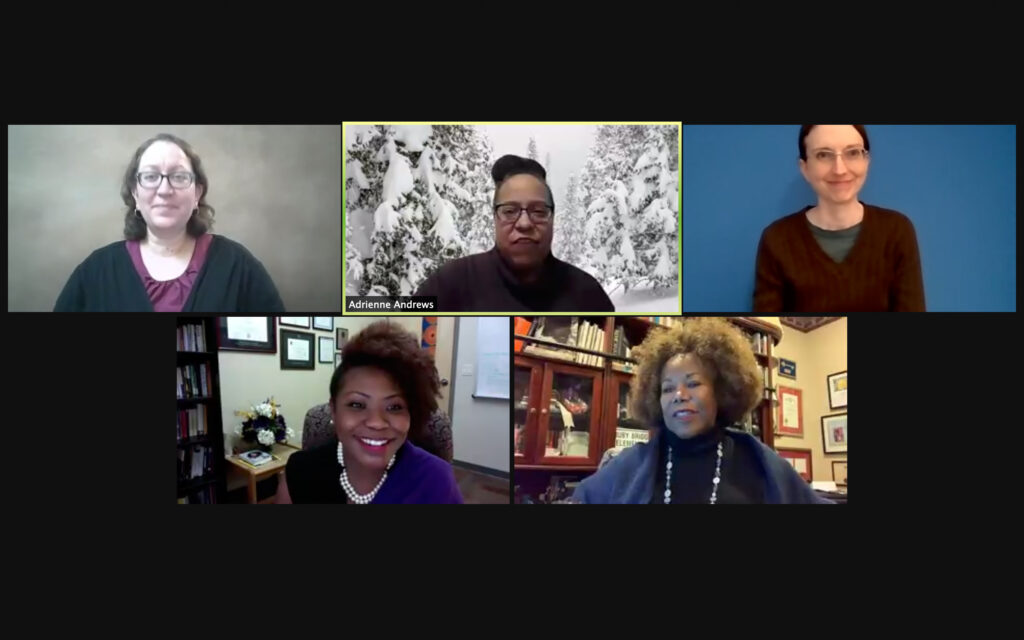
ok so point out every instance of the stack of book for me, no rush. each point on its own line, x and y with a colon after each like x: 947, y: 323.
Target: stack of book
x: 589, y: 336
x: 191, y: 337
x: 573, y: 332
x: 194, y: 381
x: 666, y: 321
x: 759, y: 343
x: 194, y: 462
x: 621, y: 347
x: 255, y: 458
x: 192, y: 422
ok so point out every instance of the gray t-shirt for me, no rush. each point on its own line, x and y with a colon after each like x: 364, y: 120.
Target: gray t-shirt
x: 836, y: 244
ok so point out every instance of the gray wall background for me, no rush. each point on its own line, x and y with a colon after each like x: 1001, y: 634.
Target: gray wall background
x: 276, y: 189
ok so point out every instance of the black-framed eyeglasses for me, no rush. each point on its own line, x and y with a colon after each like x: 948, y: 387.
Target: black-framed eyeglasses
x: 509, y: 212
x: 178, y: 179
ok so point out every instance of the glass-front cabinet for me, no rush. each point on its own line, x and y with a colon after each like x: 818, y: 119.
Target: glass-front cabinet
x: 557, y: 414
x: 526, y: 389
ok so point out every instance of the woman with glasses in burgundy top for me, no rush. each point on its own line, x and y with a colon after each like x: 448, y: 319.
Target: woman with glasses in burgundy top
x: 840, y: 254
x: 169, y: 261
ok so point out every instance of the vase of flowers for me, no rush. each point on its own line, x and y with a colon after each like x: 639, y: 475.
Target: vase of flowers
x: 263, y: 425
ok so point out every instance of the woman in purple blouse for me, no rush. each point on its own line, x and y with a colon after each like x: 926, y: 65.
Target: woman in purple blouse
x: 382, y: 395
x: 169, y: 261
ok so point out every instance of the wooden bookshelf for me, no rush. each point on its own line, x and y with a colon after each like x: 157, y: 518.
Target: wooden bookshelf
x: 198, y: 355
x: 535, y: 415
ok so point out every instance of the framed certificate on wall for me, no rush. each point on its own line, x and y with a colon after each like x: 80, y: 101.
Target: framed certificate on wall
x: 790, y: 418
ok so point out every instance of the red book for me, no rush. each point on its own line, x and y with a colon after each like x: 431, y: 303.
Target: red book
x: 522, y: 327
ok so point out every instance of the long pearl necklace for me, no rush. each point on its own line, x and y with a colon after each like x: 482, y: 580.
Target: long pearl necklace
x: 715, y: 481
x: 350, y: 491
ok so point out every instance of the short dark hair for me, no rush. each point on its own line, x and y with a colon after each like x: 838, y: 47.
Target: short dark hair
x: 397, y: 352
x: 805, y: 130
x: 509, y: 165
x: 201, y: 220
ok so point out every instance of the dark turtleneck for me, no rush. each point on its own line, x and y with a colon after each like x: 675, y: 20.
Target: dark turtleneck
x: 693, y: 470
x: 484, y: 282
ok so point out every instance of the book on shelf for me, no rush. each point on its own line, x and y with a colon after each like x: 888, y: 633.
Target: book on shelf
x: 549, y: 352
x: 192, y: 337
x: 594, y: 341
x: 522, y: 328
x: 571, y: 332
x: 194, y: 462
x: 192, y: 422
x: 758, y: 341
x: 669, y: 322
x: 587, y: 333
x: 194, y: 381
x: 582, y: 332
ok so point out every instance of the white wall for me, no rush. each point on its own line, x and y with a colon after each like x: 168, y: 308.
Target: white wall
x: 480, y: 428
x: 249, y: 378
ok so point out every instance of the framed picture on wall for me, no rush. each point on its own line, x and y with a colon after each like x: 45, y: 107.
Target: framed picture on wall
x: 799, y: 459
x: 341, y: 338
x: 326, y: 350
x: 295, y: 321
x: 833, y: 433
x: 790, y: 419
x: 787, y: 368
x: 837, y: 390
x: 839, y: 472
x: 323, y: 323
x: 297, y: 349
x: 337, y: 359
x: 247, y: 334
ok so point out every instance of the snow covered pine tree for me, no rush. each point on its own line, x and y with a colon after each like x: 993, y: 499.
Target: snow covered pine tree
x: 654, y: 201
x: 569, y: 242
x: 364, y: 179
x: 423, y: 200
x: 630, y: 192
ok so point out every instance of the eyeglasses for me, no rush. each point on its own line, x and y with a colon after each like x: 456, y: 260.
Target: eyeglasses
x: 509, y: 212
x: 178, y: 179
x: 850, y: 156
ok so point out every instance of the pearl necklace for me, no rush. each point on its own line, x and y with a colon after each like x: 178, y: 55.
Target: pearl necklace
x: 350, y: 491
x: 715, y: 481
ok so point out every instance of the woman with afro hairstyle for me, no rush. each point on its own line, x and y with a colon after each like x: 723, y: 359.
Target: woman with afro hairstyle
x: 692, y: 383
x: 381, y: 397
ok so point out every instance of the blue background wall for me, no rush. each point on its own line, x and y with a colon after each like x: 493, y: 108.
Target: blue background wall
x: 957, y: 183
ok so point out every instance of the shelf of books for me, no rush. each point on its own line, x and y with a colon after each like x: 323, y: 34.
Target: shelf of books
x: 200, y: 439
x: 763, y: 337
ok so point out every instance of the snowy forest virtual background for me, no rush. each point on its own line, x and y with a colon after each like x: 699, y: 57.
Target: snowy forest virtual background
x: 419, y: 195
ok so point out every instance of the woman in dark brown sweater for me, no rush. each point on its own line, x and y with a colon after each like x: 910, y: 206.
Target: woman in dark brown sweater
x: 841, y: 254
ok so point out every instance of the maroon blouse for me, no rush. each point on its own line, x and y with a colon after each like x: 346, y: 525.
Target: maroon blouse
x: 170, y: 295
